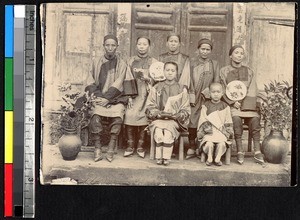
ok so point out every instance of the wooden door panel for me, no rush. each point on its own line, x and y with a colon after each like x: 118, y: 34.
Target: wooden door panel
x: 155, y: 21
x: 272, y: 45
x: 82, y: 33
x: 208, y: 20
x: 76, y: 53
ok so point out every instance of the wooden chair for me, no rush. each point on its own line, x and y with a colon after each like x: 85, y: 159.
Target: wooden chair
x: 182, y: 136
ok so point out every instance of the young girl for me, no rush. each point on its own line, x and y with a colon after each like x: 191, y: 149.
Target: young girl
x: 135, y: 118
x: 204, y: 71
x: 168, y: 108
x: 215, y: 125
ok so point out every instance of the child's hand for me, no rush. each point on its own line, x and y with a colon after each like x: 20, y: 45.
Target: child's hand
x: 237, y: 105
x: 208, y: 130
x: 180, y: 116
x: 153, y: 115
x: 130, y: 103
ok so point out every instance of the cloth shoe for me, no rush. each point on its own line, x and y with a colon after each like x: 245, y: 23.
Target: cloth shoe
x: 159, y: 161
x: 140, y: 150
x: 240, y: 157
x: 130, y: 149
x: 98, y: 152
x: 110, y: 156
x: 98, y: 155
x: 111, y: 147
x: 128, y: 152
x: 219, y: 163
x: 190, y: 153
x: 166, y: 162
x: 259, y: 158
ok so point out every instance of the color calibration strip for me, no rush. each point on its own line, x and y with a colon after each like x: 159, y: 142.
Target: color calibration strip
x: 9, y: 135
x: 20, y: 33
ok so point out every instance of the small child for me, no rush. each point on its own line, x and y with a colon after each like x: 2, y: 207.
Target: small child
x: 168, y: 108
x: 215, y: 126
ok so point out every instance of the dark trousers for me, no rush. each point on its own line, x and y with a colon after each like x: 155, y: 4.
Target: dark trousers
x: 254, y: 127
x: 134, y: 132
x: 192, y: 137
x: 97, y: 125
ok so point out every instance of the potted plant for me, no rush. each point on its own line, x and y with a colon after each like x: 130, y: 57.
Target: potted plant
x: 276, y: 110
x: 74, y: 113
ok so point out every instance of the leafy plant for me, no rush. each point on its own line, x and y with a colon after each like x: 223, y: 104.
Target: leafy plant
x: 75, y: 108
x: 276, y: 107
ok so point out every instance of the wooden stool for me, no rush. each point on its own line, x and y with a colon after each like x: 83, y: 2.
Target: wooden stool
x: 182, y: 135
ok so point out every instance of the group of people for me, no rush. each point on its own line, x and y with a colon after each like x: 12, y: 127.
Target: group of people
x: 190, y: 98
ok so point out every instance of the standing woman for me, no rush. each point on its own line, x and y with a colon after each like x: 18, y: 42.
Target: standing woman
x: 174, y: 55
x: 135, y: 118
x: 204, y: 71
x: 246, y: 109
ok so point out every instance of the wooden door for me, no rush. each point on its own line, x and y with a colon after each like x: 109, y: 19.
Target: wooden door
x: 207, y: 20
x: 271, y: 42
x: 156, y: 21
x: 81, y: 38
x: 192, y: 21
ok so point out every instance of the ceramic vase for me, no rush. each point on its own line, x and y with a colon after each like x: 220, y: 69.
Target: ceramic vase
x: 275, y: 147
x: 69, y: 144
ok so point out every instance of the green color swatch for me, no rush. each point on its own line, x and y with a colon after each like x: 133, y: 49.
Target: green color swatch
x: 9, y: 90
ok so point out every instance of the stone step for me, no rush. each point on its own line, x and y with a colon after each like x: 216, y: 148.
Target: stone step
x: 137, y: 171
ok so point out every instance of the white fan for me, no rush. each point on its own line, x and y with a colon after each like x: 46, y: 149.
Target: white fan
x: 236, y: 90
x: 156, y: 71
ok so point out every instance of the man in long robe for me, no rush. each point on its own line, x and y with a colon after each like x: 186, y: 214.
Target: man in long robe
x: 111, y: 82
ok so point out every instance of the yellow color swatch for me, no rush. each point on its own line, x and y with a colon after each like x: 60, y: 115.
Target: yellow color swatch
x: 9, y: 136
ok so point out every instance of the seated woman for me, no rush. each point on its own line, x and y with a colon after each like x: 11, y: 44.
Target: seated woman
x: 168, y: 108
x: 246, y: 109
x: 215, y: 126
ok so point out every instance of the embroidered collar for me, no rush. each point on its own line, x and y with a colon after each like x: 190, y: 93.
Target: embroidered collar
x: 110, y: 58
x: 173, y: 53
x: 142, y: 56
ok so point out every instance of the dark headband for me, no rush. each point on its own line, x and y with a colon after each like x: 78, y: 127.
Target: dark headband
x: 110, y: 36
x: 205, y: 41
x: 233, y: 49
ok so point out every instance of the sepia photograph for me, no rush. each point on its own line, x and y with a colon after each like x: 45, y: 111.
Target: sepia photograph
x: 167, y: 94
